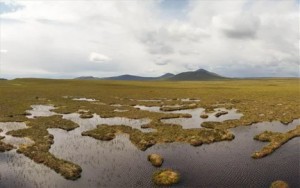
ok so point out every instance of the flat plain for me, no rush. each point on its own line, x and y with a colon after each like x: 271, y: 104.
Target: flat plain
x: 153, y: 104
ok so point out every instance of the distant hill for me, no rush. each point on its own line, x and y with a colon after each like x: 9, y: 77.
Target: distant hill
x: 3, y: 79
x: 200, y: 74
x: 127, y: 77
x: 87, y: 78
x: 166, y: 76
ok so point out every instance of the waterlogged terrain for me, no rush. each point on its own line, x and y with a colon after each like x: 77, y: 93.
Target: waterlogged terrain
x: 195, y: 120
x: 99, y: 133
x: 103, y: 162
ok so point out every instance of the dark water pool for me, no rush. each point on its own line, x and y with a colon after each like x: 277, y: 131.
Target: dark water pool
x: 228, y: 164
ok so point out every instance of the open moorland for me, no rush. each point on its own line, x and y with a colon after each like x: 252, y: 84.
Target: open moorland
x: 150, y: 113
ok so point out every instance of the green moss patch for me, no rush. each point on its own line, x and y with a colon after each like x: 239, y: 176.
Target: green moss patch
x: 166, y: 177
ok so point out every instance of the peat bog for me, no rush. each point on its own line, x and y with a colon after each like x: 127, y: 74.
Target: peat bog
x: 92, y: 133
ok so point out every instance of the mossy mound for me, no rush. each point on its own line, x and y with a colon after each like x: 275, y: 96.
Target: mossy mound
x: 39, y: 151
x: 86, y: 116
x: 156, y: 160
x: 221, y: 113
x: 166, y: 177
x: 195, y: 142
x: 204, y: 116
x: 276, y: 139
x: 279, y: 184
x: 5, y: 147
x: 167, y: 133
x: 176, y: 108
x: 146, y: 126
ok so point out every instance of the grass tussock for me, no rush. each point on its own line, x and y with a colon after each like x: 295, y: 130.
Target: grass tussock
x: 166, y: 177
x: 39, y: 150
x: 181, y: 107
x: 166, y: 133
x: 279, y: 184
x: 204, y: 116
x: 218, y: 114
x: 3, y: 146
x: 155, y: 159
x: 276, y: 139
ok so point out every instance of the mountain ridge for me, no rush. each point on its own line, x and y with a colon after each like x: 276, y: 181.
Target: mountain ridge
x: 198, y: 75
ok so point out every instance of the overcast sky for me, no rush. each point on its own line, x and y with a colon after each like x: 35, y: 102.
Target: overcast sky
x: 65, y: 39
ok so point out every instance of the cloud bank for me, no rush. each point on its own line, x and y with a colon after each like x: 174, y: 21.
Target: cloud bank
x: 64, y: 39
x: 96, y: 57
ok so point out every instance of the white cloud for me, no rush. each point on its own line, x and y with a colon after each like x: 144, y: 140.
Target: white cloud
x: 2, y: 51
x: 233, y: 38
x: 237, y: 25
x: 96, y: 57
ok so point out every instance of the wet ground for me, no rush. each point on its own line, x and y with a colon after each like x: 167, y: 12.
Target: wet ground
x: 40, y: 111
x: 118, y: 163
x: 84, y: 99
x: 16, y: 142
x: 196, y: 120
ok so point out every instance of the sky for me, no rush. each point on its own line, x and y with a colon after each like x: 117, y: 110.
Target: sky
x: 71, y: 38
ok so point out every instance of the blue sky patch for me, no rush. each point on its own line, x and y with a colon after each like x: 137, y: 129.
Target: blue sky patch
x: 9, y: 7
x: 174, y: 8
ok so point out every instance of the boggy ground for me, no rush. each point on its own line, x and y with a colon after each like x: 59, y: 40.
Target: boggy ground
x: 3, y: 146
x: 276, y: 139
x: 165, y: 134
x: 257, y: 100
x: 39, y: 150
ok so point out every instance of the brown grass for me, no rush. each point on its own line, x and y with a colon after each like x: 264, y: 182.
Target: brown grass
x: 39, y: 150
x: 276, y: 139
x: 166, y: 177
x: 155, y: 159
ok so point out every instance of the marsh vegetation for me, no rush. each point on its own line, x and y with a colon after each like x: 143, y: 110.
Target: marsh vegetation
x: 151, y: 114
x: 166, y: 177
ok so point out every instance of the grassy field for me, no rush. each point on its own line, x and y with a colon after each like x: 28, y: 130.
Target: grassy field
x: 258, y: 101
